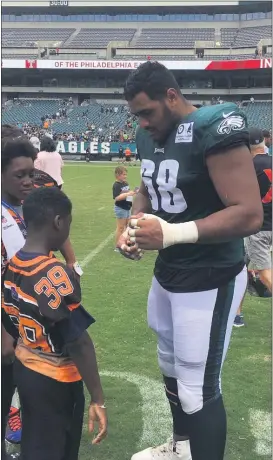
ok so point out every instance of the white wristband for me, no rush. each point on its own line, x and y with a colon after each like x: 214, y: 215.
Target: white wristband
x: 184, y: 233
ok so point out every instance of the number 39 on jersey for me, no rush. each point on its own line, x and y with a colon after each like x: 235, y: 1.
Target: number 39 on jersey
x: 162, y: 187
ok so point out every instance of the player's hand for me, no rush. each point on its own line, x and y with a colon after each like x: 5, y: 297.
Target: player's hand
x: 146, y: 232
x: 131, y: 193
x: 128, y: 249
x: 97, y: 414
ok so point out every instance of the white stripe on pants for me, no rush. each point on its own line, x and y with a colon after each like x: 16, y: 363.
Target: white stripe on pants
x: 183, y: 324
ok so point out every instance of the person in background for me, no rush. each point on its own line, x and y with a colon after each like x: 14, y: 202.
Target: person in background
x: 258, y: 246
x: 268, y: 141
x: 123, y: 197
x: 121, y: 154
x: 49, y: 160
x: 35, y: 142
x: 87, y: 155
x: 128, y: 155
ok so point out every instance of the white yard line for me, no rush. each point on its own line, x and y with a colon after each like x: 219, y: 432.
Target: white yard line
x: 102, y: 208
x: 260, y: 425
x: 156, y: 419
x: 97, y: 250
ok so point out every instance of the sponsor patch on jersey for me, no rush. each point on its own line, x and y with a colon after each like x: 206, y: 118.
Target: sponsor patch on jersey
x: 231, y: 123
x: 184, y: 133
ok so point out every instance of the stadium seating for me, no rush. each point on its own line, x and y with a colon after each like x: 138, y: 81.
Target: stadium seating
x: 250, y: 36
x: 171, y: 57
x: 30, y: 111
x: 149, y: 37
x: 20, y: 56
x: 99, y: 38
x: 76, y: 121
x: 173, y: 38
x: 259, y: 114
x: 26, y: 38
x: 244, y: 37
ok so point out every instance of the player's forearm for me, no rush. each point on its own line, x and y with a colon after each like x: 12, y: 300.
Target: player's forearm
x: 68, y: 252
x: 232, y: 222
x: 83, y: 354
x: 236, y: 221
x: 228, y: 224
x: 141, y: 202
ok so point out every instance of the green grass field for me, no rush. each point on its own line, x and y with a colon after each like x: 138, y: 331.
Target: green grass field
x: 115, y: 293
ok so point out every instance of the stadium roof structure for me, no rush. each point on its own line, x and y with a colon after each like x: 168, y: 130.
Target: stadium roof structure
x: 86, y: 6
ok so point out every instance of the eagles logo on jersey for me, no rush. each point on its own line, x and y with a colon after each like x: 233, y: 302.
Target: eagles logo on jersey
x: 231, y: 123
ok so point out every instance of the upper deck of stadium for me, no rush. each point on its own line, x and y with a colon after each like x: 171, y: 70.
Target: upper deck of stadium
x: 222, y: 31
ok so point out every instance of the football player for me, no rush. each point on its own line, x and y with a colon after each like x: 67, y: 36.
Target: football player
x: 42, y: 299
x: 198, y: 198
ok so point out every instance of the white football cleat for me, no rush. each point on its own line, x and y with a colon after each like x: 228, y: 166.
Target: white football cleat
x: 169, y: 451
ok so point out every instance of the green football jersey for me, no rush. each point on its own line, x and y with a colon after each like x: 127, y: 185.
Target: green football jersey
x: 180, y: 190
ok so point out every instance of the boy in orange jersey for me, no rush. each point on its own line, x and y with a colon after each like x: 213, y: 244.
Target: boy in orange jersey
x: 54, y: 352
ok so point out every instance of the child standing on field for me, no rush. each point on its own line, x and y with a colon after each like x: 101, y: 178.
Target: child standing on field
x: 123, y: 197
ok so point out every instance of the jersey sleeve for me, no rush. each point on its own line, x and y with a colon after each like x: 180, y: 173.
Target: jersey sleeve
x: 225, y: 129
x: 57, y: 292
x: 264, y: 182
x: 116, y: 189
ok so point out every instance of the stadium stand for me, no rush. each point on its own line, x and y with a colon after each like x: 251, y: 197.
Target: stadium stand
x: 259, y: 114
x: 107, y: 119
x: 30, y: 111
x: 192, y: 57
x: 26, y: 38
x: 99, y: 38
x: 244, y: 37
x: 169, y: 38
x: 141, y: 41
x: 250, y: 36
x: 173, y: 38
x: 110, y: 117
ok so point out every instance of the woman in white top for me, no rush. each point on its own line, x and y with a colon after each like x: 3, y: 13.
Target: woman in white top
x: 50, y: 161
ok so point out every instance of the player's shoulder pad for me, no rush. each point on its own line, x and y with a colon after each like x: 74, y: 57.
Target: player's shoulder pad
x: 209, y: 115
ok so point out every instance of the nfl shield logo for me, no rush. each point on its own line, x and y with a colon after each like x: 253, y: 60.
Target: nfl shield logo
x: 4, y: 220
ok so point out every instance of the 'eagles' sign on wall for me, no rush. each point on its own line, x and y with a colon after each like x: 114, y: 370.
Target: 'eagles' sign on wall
x: 104, y: 148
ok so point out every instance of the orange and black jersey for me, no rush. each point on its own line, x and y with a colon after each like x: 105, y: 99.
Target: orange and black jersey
x: 42, y: 299
x: 42, y: 179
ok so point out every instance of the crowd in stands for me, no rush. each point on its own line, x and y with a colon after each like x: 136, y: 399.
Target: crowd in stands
x: 99, y: 121
x: 104, y: 126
